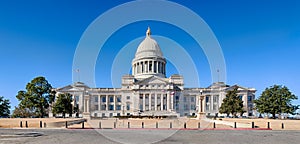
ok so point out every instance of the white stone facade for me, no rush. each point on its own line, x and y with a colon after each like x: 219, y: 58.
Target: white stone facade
x: 148, y: 92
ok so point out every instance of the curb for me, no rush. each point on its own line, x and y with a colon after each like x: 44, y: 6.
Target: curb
x: 174, y: 128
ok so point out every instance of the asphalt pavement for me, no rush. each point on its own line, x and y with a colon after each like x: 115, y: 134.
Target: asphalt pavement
x: 142, y: 136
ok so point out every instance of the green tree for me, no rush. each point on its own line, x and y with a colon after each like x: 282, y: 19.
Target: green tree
x: 63, y: 105
x: 37, y: 97
x: 276, y: 100
x: 232, y: 104
x: 4, y: 107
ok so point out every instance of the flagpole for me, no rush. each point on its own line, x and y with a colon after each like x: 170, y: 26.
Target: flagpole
x: 218, y: 75
x: 78, y: 74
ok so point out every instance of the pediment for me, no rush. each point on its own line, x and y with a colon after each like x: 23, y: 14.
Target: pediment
x: 239, y: 88
x: 153, y: 80
x: 73, y: 88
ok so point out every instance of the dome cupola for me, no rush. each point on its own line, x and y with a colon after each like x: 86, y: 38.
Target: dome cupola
x: 148, y: 59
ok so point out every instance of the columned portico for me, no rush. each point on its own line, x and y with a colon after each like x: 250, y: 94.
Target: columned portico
x: 86, y: 107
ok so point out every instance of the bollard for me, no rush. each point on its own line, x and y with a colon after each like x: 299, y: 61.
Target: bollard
x: 252, y: 124
x: 83, y: 125
x: 128, y: 124
x: 214, y: 125
x: 184, y: 125
x: 170, y: 124
x: 282, y: 126
x: 156, y: 124
x: 115, y: 124
x: 268, y: 125
x: 142, y: 124
x: 45, y: 125
x: 198, y: 124
x: 234, y: 124
x: 21, y: 124
x: 26, y: 124
x: 66, y: 124
x: 41, y: 124
x: 99, y: 125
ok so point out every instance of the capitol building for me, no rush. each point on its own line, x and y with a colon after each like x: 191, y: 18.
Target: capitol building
x: 148, y: 92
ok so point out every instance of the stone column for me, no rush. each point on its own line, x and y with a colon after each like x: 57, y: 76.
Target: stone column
x: 144, y: 102
x: 99, y: 105
x: 162, y: 102
x: 88, y: 105
x: 142, y: 67
x: 146, y: 66
x: 157, y: 67
x: 106, y: 97
x: 150, y: 98
x: 114, y: 102
x: 172, y: 100
x: 168, y: 101
x: 155, y: 102
x: 84, y: 106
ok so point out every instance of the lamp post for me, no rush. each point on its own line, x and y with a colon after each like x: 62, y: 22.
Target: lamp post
x: 201, y: 113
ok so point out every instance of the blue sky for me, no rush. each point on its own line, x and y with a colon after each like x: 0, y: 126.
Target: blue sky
x: 260, y: 41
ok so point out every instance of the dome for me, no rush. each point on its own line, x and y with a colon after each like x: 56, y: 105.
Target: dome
x: 148, y: 60
x: 148, y: 48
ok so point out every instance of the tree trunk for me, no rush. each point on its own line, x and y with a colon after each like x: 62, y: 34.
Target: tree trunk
x: 273, y: 115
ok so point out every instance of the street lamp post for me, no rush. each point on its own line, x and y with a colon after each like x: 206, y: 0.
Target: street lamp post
x: 201, y: 113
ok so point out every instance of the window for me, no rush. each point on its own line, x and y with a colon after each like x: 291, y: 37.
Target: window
x: 207, y: 99
x: 177, y: 106
x: 96, y: 107
x: 241, y: 97
x: 103, y: 98
x: 215, y: 99
x: 147, y: 99
x: 214, y: 107
x: 77, y: 99
x: 192, y: 99
x: 103, y: 107
x: 118, y: 107
x: 193, y: 107
x: 128, y: 97
x: 111, y: 99
x: 152, y: 101
x: 111, y: 107
x: 96, y: 98
x: 119, y: 99
x: 128, y: 106
x: 249, y: 98
x: 141, y: 106
x: 185, y: 107
x: 184, y: 99
x: 207, y: 107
